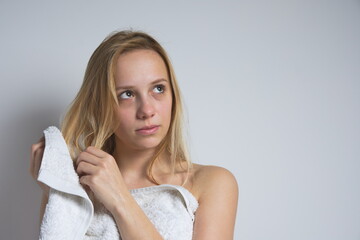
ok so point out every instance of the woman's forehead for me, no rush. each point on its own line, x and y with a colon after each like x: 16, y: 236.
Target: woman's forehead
x: 139, y: 67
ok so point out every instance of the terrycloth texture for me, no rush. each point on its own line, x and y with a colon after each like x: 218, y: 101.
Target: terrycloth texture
x: 71, y: 214
x: 69, y: 211
x: 170, y: 208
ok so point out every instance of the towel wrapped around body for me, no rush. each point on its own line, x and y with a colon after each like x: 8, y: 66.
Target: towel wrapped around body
x: 72, y: 213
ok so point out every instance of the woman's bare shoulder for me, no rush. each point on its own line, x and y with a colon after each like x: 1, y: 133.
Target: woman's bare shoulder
x: 217, y: 193
x: 210, y: 179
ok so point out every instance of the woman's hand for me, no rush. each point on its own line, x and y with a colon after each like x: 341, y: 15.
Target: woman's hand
x: 99, y: 171
x: 37, y: 152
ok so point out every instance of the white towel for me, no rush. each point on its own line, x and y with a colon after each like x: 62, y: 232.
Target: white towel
x: 73, y: 214
x: 69, y: 211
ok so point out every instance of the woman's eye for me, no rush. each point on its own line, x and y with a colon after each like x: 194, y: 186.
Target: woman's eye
x: 128, y: 94
x: 160, y: 88
x: 125, y: 95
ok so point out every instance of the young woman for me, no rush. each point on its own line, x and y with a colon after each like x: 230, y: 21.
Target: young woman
x: 124, y: 131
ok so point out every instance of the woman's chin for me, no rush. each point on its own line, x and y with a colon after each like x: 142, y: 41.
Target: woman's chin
x: 150, y: 145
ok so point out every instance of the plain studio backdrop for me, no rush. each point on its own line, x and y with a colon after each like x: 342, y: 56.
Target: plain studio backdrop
x: 271, y: 88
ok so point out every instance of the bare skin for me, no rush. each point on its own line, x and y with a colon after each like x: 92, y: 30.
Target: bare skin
x: 206, y: 184
x: 111, y: 176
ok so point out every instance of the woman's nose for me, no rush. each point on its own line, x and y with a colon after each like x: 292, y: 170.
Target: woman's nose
x: 146, y: 109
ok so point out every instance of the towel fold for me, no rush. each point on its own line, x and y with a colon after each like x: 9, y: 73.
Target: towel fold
x: 69, y: 210
x: 72, y: 213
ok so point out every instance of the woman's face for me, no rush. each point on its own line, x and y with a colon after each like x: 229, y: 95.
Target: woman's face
x: 145, y: 99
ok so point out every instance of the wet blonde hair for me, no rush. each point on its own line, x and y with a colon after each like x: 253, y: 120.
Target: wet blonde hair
x: 90, y: 119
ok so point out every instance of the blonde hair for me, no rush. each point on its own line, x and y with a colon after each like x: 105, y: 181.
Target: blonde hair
x: 90, y: 119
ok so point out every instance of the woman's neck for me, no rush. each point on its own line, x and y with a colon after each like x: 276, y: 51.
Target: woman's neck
x: 133, y: 164
x: 132, y: 160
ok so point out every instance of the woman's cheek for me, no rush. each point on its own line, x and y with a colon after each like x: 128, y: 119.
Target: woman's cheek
x: 122, y: 120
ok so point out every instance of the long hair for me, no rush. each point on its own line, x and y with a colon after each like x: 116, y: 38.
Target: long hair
x: 90, y: 119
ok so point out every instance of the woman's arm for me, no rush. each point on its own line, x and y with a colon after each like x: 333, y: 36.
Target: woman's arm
x: 132, y: 222
x: 218, y: 198
x: 99, y: 171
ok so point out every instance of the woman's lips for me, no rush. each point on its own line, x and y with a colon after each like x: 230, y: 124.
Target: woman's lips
x: 148, y: 131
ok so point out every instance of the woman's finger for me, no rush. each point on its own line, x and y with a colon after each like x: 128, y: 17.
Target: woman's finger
x: 42, y: 139
x: 86, y: 180
x: 34, y: 153
x: 87, y: 157
x: 34, y: 148
x: 31, y: 167
x: 85, y: 168
x: 96, y: 152
x: 37, y: 161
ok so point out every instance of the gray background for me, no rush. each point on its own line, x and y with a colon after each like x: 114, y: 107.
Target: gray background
x: 272, y: 90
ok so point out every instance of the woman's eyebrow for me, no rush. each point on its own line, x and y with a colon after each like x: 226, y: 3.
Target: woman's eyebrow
x: 153, y: 82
